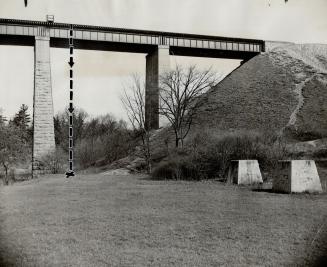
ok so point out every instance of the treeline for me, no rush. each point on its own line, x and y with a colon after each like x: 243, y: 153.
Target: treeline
x: 97, y: 140
x: 16, y: 137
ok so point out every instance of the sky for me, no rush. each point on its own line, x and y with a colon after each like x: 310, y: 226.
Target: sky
x: 100, y: 76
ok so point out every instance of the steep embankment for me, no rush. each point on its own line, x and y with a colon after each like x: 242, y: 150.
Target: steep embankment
x: 282, y: 90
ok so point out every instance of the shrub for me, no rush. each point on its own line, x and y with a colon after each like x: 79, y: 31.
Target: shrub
x: 177, y: 169
x: 320, y: 153
x: 10, y: 178
x: 206, y: 156
x: 97, y: 140
x: 303, y: 134
x: 55, y: 162
x: 105, y: 148
x: 87, y: 152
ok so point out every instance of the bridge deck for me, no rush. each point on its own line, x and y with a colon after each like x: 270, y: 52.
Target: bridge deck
x: 22, y: 32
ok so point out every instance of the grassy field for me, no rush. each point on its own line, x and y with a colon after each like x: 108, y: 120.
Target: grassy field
x: 97, y: 220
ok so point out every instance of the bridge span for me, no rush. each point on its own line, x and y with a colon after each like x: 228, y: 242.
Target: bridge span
x: 156, y: 45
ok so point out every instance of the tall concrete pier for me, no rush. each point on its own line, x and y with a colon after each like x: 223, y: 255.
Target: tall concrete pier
x: 43, y: 127
x: 157, y: 63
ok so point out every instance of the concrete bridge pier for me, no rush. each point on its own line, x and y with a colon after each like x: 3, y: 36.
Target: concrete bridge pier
x: 43, y: 126
x: 157, y: 63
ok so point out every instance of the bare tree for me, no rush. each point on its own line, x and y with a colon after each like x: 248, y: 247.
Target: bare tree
x: 133, y: 100
x: 180, y: 90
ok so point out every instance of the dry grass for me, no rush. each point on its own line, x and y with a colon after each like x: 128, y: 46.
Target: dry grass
x: 262, y: 95
x: 96, y: 220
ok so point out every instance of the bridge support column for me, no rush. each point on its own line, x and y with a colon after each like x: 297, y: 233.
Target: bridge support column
x: 156, y: 64
x: 43, y: 126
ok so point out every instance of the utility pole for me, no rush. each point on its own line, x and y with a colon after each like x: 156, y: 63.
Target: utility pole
x: 71, y: 172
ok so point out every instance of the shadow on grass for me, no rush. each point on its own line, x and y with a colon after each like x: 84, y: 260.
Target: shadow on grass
x: 269, y: 190
x: 319, y: 249
x: 7, y: 257
x: 263, y: 190
x: 168, y: 180
x: 320, y: 261
x: 148, y: 177
x: 313, y: 194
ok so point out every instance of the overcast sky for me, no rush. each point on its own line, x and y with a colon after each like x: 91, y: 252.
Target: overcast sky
x: 100, y: 75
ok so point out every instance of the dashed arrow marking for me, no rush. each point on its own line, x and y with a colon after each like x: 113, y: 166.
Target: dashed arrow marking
x: 71, y: 62
x: 71, y: 108
x: 71, y: 172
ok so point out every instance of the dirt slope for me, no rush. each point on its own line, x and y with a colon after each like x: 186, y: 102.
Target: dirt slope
x: 282, y: 90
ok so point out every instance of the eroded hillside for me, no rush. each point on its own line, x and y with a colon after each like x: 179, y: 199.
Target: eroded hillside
x: 282, y: 90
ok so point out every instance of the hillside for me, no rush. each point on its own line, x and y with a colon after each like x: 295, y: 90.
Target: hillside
x: 282, y: 90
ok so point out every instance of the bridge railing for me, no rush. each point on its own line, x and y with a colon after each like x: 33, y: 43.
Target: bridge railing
x: 133, y: 38
x: 212, y: 44
x: 18, y: 30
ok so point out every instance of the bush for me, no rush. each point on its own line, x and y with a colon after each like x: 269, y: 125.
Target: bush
x: 55, y: 162
x: 303, y: 134
x: 105, y: 148
x: 97, y: 140
x: 177, y: 169
x: 206, y: 156
x: 10, y: 178
x: 320, y: 154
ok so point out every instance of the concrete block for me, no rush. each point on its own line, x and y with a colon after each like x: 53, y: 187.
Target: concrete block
x: 297, y: 176
x: 245, y: 172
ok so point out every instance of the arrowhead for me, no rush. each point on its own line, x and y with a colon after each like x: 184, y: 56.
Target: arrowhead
x: 69, y: 174
x: 71, y: 108
x: 71, y: 62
